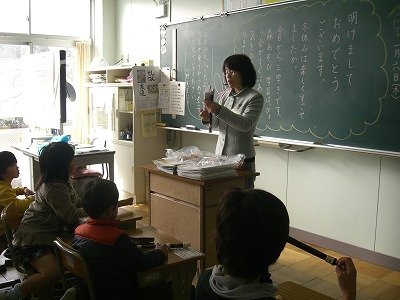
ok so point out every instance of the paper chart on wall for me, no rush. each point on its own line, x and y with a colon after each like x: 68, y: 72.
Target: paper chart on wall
x: 149, y: 123
x: 163, y: 95
x: 146, y: 81
x: 176, y: 98
x: 165, y: 75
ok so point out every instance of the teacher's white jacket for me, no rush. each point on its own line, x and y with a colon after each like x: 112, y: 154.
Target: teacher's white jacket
x: 237, y: 121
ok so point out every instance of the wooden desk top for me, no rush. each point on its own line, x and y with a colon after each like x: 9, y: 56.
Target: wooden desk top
x: 34, y: 154
x: 293, y: 291
x: 161, y: 238
x: 239, y: 174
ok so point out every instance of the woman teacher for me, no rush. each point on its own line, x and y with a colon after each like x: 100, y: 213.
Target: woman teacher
x: 236, y: 112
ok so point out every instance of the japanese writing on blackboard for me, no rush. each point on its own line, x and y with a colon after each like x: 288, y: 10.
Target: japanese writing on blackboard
x: 395, y: 53
x: 303, y: 48
x: 197, y: 71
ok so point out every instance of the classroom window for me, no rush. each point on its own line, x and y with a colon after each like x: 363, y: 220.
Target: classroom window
x: 29, y: 27
x: 14, y: 16
x: 11, y: 86
x: 60, y: 17
x: 46, y: 17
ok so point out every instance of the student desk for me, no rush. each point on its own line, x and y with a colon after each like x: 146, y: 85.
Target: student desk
x: 186, y: 208
x: 180, y: 270
x: 92, y: 157
x: 292, y: 291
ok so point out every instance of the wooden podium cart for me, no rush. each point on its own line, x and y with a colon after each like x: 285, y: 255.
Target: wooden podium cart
x: 186, y: 208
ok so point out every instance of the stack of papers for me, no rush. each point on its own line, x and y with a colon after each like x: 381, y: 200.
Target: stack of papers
x: 192, y: 163
x: 97, y: 78
x: 167, y: 164
x: 206, y: 172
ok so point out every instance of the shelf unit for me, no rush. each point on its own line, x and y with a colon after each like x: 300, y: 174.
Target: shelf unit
x: 112, y: 117
x: 111, y: 103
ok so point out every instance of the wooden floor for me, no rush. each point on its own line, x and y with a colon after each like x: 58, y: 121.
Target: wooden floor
x: 373, y: 281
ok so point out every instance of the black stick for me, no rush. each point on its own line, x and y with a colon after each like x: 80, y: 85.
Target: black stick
x: 329, y: 259
x: 209, y: 96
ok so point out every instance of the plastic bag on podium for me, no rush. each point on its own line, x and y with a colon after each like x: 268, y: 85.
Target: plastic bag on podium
x: 193, y: 163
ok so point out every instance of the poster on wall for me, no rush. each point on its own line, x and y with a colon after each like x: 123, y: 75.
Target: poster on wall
x: 173, y: 98
x: 149, y: 123
x: 145, y: 85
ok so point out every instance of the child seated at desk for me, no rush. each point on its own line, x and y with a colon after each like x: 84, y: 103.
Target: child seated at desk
x: 8, y: 171
x: 113, y: 258
x: 54, y: 213
x: 252, y: 228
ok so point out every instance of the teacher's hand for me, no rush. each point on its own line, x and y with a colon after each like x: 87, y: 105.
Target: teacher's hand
x: 212, y: 106
x: 204, y: 115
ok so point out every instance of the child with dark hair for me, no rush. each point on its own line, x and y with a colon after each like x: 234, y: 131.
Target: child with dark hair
x: 53, y: 213
x: 113, y: 258
x: 252, y: 228
x: 8, y: 194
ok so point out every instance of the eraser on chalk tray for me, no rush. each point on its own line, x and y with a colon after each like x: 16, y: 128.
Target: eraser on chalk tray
x: 162, y: 124
x: 191, y: 127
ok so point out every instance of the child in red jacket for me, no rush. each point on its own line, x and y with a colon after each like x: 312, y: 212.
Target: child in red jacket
x: 113, y: 258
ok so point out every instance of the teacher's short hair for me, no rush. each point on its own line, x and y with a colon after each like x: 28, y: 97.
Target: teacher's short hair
x: 243, y: 64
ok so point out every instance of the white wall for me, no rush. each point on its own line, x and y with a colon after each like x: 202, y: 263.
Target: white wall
x: 349, y: 197
x: 104, y: 30
x: 388, y: 219
x: 137, y: 30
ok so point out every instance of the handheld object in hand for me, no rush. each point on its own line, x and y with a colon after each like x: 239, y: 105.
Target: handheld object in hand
x: 209, y: 96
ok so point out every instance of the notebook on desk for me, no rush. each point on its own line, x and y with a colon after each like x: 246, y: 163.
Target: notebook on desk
x: 83, y: 146
x: 90, y: 149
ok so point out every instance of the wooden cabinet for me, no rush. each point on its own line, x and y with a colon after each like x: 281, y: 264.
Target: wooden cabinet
x: 186, y: 208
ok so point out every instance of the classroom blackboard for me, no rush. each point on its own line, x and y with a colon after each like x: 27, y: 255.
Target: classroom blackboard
x: 328, y: 70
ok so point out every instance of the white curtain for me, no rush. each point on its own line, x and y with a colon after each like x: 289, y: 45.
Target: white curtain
x: 80, y: 123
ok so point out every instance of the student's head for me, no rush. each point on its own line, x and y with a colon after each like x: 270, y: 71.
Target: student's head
x: 252, y: 227
x: 57, y: 162
x: 240, y: 63
x: 8, y: 166
x: 99, y: 196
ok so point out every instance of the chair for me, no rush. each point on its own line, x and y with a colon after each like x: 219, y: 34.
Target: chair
x: 98, y: 143
x: 11, y: 218
x: 101, y: 143
x: 70, y: 259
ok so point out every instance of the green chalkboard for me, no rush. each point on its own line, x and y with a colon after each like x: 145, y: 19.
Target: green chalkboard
x: 328, y: 70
